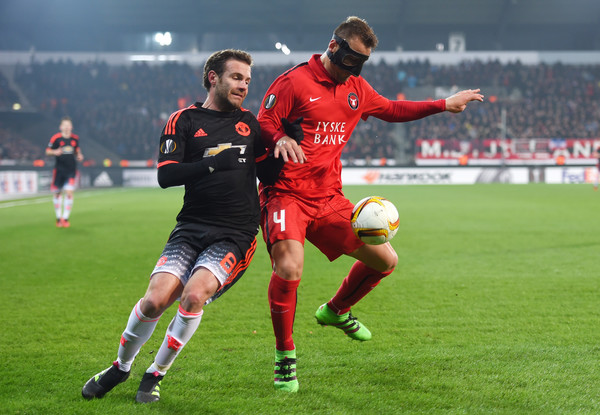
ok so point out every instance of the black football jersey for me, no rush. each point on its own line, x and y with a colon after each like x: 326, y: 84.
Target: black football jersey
x: 226, y: 198
x: 66, y: 161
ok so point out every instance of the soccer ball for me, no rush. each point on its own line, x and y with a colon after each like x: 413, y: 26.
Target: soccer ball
x: 375, y: 220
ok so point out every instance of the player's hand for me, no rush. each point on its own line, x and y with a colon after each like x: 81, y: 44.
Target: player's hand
x: 458, y: 102
x: 228, y: 160
x: 294, y: 129
x: 288, y: 146
x: 58, y: 152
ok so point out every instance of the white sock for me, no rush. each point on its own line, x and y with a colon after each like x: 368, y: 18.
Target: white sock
x: 138, y: 331
x: 68, y: 204
x: 179, y: 332
x: 57, y: 200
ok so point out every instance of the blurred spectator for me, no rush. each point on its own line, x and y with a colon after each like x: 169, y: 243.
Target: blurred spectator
x: 125, y: 107
x: 7, y: 96
x: 15, y: 147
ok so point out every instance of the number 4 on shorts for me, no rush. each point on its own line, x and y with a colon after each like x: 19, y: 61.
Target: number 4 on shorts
x: 279, y: 217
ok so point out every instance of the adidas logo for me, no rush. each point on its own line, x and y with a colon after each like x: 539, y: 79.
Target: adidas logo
x: 200, y: 133
x: 103, y: 180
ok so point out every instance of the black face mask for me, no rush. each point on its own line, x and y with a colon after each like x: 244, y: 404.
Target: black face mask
x: 347, y: 58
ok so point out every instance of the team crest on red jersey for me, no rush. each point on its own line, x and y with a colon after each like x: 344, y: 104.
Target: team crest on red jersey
x: 242, y: 129
x: 353, y: 100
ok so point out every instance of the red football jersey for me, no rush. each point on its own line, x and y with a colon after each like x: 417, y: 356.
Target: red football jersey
x: 331, y: 111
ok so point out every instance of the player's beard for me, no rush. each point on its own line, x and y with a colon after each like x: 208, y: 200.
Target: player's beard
x: 222, y: 92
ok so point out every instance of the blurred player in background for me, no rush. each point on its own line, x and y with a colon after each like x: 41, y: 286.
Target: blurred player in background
x: 307, y: 200
x: 214, y: 149
x: 65, y: 147
x: 596, y: 155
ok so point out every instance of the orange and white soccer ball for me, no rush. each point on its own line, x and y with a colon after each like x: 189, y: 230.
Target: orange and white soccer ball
x: 375, y: 220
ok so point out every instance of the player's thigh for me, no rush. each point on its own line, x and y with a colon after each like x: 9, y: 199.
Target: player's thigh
x: 284, y: 218
x: 69, y: 185
x: 332, y: 233
x: 59, y: 178
x: 226, y: 262
x: 168, y: 277
x: 381, y: 258
x: 201, y: 286
x: 164, y: 288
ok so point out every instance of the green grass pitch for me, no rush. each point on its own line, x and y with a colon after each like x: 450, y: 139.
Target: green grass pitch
x: 493, y: 308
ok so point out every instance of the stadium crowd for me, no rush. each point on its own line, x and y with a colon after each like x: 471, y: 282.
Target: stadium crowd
x: 123, y: 108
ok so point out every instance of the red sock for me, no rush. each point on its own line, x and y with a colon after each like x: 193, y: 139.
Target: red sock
x: 282, y: 299
x: 359, y: 282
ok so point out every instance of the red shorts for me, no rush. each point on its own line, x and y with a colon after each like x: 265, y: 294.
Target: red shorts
x: 324, y: 222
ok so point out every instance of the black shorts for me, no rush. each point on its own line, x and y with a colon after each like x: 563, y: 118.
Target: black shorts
x: 63, y: 179
x: 225, y: 253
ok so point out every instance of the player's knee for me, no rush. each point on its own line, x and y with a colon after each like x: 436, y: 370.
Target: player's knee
x: 392, y: 261
x: 388, y: 262
x: 288, y: 269
x: 153, y: 306
x: 194, y: 301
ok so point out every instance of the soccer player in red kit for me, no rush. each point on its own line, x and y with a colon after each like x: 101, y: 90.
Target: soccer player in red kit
x: 306, y: 202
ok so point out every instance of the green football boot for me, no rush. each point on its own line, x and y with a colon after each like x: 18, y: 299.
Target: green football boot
x: 347, y: 322
x: 285, y: 371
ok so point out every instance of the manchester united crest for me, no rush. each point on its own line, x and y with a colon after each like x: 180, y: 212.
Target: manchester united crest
x: 242, y: 129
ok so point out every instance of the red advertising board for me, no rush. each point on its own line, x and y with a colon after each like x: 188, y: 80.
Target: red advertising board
x: 545, y: 151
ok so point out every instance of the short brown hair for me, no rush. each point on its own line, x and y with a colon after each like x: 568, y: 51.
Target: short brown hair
x: 216, y: 62
x: 356, y: 27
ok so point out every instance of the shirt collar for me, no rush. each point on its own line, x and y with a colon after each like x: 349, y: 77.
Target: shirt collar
x: 319, y: 70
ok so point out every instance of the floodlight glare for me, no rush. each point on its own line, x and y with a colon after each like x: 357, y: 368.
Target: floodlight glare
x: 163, y: 39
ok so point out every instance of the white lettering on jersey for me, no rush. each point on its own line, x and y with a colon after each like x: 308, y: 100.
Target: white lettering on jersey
x: 280, y: 219
x: 330, y: 139
x: 331, y: 127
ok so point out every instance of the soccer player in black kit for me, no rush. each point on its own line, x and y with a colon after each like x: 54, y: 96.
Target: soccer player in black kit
x: 214, y: 149
x: 65, y: 147
x: 596, y: 155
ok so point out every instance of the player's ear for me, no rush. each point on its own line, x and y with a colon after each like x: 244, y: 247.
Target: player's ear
x: 332, y: 45
x: 212, y: 77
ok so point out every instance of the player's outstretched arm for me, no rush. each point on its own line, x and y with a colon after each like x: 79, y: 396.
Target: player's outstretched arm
x: 458, y: 102
x: 53, y: 152
x: 269, y: 168
x: 176, y: 174
x: 288, y: 147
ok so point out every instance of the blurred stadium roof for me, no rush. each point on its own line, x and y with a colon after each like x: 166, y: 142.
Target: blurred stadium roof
x: 414, y: 25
